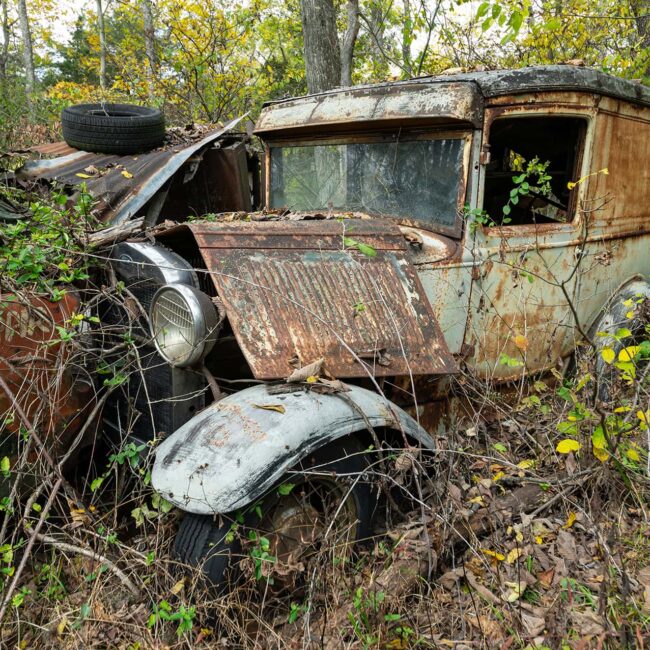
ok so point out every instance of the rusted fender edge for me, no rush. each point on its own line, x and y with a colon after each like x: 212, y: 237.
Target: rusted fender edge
x: 235, y: 450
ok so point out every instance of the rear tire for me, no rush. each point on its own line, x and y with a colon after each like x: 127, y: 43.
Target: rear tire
x: 113, y: 128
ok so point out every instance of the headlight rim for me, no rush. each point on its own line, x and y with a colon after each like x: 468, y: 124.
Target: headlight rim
x: 206, y: 323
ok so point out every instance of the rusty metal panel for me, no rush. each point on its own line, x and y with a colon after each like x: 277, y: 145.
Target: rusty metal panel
x: 120, y: 195
x: 34, y: 370
x: 293, y: 294
x: 375, y: 104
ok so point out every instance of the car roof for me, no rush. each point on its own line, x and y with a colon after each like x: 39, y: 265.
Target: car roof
x: 493, y: 83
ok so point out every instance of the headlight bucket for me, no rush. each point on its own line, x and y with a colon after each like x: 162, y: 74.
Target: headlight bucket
x: 184, y: 324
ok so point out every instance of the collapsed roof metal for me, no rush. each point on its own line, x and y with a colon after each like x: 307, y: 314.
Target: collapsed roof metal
x: 122, y: 185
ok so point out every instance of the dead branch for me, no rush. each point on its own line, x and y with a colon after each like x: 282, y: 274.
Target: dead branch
x: 116, y: 233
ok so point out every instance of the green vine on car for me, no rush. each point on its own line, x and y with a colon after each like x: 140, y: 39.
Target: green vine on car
x: 45, y: 249
x: 532, y: 179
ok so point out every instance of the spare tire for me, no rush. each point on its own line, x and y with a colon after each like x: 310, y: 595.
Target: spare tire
x: 113, y: 128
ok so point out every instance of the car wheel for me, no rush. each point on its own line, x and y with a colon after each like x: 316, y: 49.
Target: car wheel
x: 324, y: 502
x: 113, y: 128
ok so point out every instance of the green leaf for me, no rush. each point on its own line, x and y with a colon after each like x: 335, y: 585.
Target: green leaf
x: 285, y: 489
x: 482, y: 10
x: 506, y: 210
x: 515, y: 22
x: 369, y: 251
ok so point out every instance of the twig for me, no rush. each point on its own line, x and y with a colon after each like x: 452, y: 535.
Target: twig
x: 28, y: 549
x: 72, y: 548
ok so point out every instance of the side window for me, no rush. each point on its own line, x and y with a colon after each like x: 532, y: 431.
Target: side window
x: 545, y: 154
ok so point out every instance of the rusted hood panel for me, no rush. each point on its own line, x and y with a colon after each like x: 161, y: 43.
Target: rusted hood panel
x: 293, y: 294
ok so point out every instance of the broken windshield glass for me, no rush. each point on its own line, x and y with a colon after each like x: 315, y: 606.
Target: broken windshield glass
x: 418, y: 180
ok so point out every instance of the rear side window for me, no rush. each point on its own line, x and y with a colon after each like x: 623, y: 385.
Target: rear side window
x: 549, y: 146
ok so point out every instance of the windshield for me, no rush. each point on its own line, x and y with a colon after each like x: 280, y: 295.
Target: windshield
x: 418, y: 180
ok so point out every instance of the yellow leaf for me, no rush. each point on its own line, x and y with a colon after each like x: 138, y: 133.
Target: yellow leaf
x: 630, y: 314
x: 83, y: 175
x: 271, y: 407
x: 601, y: 454
x: 622, y: 409
x: 526, y: 464
x: 514, y: 555
x: 126, y: 174
x: 60, y: 628
x: 570, y: 520
x: 643, y: 416
x: 497, y: 476
x: 633, y: 455
x: 521, y: 342
x: 497, y: 556
x: 178, y: 587
x: 312, y: 379
x: 567, y: 445
x: 627, y: 354
x: 478, y: 500
x: 516, y: 590
x: 608, y: 355
x: 539, y: 539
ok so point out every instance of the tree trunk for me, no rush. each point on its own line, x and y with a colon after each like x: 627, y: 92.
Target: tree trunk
x: 4, y: 56
x: 407, y: 37
x: 28, y: 53
x: 322, y: 55
x: 102, y: 45
x: 349, y: 39
x: 642, y: 19
x: 150, y: 47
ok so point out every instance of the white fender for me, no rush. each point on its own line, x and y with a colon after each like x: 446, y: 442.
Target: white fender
x: 236, y: 449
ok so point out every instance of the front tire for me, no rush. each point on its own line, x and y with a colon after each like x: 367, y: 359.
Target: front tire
x: 331, y: 482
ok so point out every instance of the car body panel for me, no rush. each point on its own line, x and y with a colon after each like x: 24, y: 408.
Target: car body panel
x: 238, y: 448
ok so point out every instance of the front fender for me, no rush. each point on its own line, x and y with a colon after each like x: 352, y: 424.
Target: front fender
x: 236, y: 449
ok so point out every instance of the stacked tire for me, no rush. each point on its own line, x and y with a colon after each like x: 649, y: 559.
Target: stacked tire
x: 113, y: 128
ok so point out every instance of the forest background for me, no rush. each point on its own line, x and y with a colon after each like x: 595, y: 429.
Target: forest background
x: 212, y: 60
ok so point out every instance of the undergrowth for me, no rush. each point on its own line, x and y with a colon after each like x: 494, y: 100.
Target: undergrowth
x: 527, y: 529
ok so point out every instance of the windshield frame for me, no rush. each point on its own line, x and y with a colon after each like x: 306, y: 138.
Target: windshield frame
x: 392, y: 135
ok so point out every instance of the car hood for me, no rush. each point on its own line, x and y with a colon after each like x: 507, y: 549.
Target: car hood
x: 343, y: 290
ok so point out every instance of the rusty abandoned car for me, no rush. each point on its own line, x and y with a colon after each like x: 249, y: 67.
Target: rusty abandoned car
x: 329, y: 288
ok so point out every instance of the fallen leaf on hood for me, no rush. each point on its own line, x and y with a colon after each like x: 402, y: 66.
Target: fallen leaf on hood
x: 271, y: 407
x: 310, y: 370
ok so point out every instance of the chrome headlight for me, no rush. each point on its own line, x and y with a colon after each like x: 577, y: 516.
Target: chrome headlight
x: 184, y: 324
